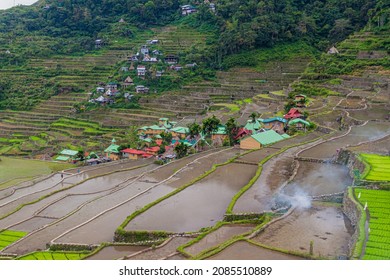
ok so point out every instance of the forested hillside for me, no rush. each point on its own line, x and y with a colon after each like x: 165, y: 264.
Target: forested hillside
x: 54, y: 28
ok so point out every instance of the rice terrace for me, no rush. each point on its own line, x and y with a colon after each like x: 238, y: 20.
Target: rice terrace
x: 168, y: 136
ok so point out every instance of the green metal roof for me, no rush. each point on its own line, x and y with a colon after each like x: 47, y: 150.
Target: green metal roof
x: 250, y: 125
x: 62, y: 158
x: 295, y: 121
x: 267, y: 137
x: 158, y: 137
x: 156, y: 127
x: 285, y: 136
x: 275, y: 119
x: 221, y: 130
x: 112, y: 149
x: 163, y: 119
x: 69, y: 152
x: 181, y: 129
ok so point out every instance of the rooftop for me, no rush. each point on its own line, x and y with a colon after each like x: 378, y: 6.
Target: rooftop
x: 267, y: 137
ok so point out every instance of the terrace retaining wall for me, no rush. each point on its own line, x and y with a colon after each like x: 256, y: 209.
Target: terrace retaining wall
x: 353, y: 213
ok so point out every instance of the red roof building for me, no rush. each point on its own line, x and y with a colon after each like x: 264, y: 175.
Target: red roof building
x: 132, y: 153
x: 293, y: 114
x: 153, y: 150
x: 240, y: 133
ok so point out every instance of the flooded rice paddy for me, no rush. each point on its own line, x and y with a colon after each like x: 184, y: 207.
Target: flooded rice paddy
x: 315, y: 179
x: 161, y: 252
x: 217, y: 237
x: 116, y: 252
x: 369, y: 132
x: 327, y: 227
x: 200, y: 205
x: 243, y: 250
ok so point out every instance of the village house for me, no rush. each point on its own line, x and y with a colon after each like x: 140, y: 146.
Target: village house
x: 252, y: 126
x: 141, y: 70
x: 187, y: 10
x: 100, y: 89
x: 112, y: 86
x: 124, y: 69
x: 261, y: 139
x: 99, y: 43
x: 176, y: 67
x: 191, y: 65
x: 132, y: 58
x: 152, y: 42
x: 141, y: 89
x: 132, y: 153
x: 127, y: 82
x: 166, y: 123
x: 180, y: 132
x: 144, y: 50
x: 171, y: 59
x: 156, y: 52
x: 299, y: 124
x: 122, y: 20
x: 240, y: 132
x: 150, y: 130
x: 300, y: 100
x: 159, y: 74
x: 293, y: 114
x: 277, y: 124
x: 152, y: 150
x: 219, y: 135
x: 333, y: 50
x: 67, y: 155
x: 112, y: 152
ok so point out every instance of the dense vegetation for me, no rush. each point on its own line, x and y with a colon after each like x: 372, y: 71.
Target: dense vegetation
x: 378, y: 244
x: 236, y: 30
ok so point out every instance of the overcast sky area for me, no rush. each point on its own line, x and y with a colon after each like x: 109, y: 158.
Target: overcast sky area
x: 5, y: 4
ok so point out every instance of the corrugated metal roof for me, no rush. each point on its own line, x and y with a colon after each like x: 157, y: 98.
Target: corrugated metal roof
x: 112, y: 149
x: 267, y: 137
x: 295, y: 121
x: 69, y: 152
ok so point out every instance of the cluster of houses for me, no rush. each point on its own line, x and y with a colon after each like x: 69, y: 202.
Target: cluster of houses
x: 262, y: 132
x: 189, y: 9
x: 255, y: 134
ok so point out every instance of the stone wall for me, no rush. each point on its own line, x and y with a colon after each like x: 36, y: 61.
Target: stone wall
x: 351, y: 210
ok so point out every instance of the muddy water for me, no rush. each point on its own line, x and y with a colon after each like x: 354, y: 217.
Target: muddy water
x: 161, y: 252
x: 105, y: 225
x: 33, y: 223
x: 116, y: 252
x: 91, y: 186
x: 376, y: 147
x: 65, y: 205
x: 256, y: 156
x: 38, y: 187
x: 171, y: 168
x: 200, y: 205
x: 369, y: 132
x: 217, y: 237
x: 242, y: 250
x: 197, y: 168
x: 315, y: 179
x: 375, y: 112
x: 275, y: 172
x: 298, y: 139
x: 327, y: 227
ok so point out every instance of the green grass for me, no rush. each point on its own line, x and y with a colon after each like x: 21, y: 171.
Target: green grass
x: 53, y: 256
x: 379, y: 167
x: 8, y: 237
x: 378, y: 244
x: 13, y: 171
